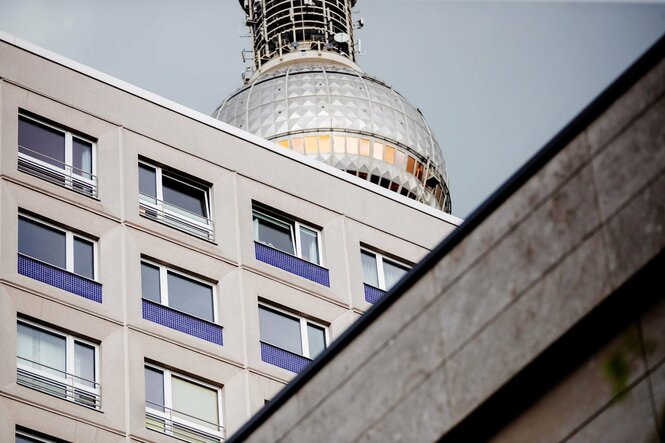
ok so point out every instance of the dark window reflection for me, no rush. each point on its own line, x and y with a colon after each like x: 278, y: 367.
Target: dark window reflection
x: 317, y: 340
x: 41, y: 142
x: 42, y: 242
x: 190, y: 296
x: 154, y: 388
x: 150, y: 286
x: 82, y: 157
x: 280, y: 330
x: 147, y: 181
x: 184, y: 196
x: 275, y: 234
x: 84, y: 260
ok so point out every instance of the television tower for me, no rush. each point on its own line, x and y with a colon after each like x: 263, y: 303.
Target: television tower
x: 304, y: 91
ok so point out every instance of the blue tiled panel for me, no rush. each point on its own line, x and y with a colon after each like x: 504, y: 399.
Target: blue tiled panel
x: 182, y: 322
x: 60, y: 278
x: 284, y: 359
x: 292, y: 264
x: 373, y: 294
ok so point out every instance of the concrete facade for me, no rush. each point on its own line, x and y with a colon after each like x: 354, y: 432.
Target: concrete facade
x: 545, y: 322
x: 127, y: 124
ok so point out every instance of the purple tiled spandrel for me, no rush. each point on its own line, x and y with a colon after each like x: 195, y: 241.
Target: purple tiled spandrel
x: 60, y: 278
x: 373, y: 294
x: 182, y: 322
x: 292, y: 264
x: 284, y: 359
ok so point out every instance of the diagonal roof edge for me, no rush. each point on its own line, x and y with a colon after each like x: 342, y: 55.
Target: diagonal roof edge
x: 587, y: 116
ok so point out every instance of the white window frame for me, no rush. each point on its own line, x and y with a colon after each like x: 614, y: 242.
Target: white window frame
x: 168, y: 400
x: 69, y: 153
x: 70, y: 341
x: 69, y: 247
x: 294, y: 227
x: 304, y: 337
x: 379, y: 265
x: 160, y: 205
x: 164, y: 290
x: 27, y: 434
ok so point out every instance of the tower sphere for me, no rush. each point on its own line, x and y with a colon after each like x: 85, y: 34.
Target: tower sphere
x: 306, y: 93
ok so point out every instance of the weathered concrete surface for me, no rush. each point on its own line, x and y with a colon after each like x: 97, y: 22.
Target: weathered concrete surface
x: 540, y: 264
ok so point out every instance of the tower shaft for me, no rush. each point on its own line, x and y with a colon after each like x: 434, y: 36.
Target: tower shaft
x: 280, y: 27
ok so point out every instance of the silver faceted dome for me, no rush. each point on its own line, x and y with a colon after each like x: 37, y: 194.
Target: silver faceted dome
x: 347, y: 119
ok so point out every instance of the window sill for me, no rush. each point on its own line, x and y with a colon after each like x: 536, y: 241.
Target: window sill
x: 373, y: 294
x: 283, y: 358
x: 183, y: 322
x: 292, y: 264
x: 59, y: 278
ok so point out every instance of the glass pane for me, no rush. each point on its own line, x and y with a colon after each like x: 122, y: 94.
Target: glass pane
x: 190, y: 296
x: 41, y: 350
x: 370, y: 274
x: 274, y: 233
x: 389, y: 155
x: 280, y: 330
x: 154, y: 388
x: 26, y: 439
x: 310, y: 245
x: 184, y: 196
x: 41, y: 142
x: 194, y: 401
x: 364, y: 147
x: 317, y: 340
x: 147, y: 181
x: 150, y: 286
x: 298, y: 145
x: 82, y: 157
x: 311, y: 146
x: 339, y: 145
x: 324, y: 144
x: 393, y: 273
x: 352, y: 145
x: 84, y: 258
x: 41, y: 242
x: 84, y: 364
x: 378, y: 151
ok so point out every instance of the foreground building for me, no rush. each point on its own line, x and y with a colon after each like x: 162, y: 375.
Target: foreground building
x: 541, y: 318
x: 164, y: 274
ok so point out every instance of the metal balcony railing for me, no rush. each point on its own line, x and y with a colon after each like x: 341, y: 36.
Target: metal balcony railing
x: 54, y: 171
x: 180, y: 425
x: 58, y: 383
x: 176, y: 217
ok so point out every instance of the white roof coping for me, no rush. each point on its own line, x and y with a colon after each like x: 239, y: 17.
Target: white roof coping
x: 225, y: 127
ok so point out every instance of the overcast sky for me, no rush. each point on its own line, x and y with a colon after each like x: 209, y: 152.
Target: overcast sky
x: 495, y: 80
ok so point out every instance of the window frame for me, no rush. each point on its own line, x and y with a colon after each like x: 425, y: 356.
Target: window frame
x: 70, y: 346
x: 159, y: 204
x: 168, y: 400
x: 69, y: 247
x: 69, y: 153
x: 294, y: 227
x: 379, y: 266
x: 164, y: 294
x: 28, y: 435
x: 304, y: 337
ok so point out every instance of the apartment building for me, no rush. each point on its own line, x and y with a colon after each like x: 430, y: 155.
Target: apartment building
x: 164, y: 274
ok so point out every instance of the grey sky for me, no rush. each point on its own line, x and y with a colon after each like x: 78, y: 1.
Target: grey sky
x: 496, y: 80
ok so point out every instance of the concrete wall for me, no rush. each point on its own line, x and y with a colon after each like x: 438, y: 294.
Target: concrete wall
x: 128, y: 123
x: 565, y: 244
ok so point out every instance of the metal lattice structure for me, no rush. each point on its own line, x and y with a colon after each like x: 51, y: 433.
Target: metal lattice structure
x: 307, y: 94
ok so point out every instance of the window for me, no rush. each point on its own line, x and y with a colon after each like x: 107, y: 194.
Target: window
x: 169, y: 288
x: 57, y: 364
x: 171, y: 198
x: 56, y: 155
x: 31, y: 437
x: 380, y: 271
x: 291, y: 333
x: 57, y: 247
x: 179, y: 406
x: 287, y: 235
